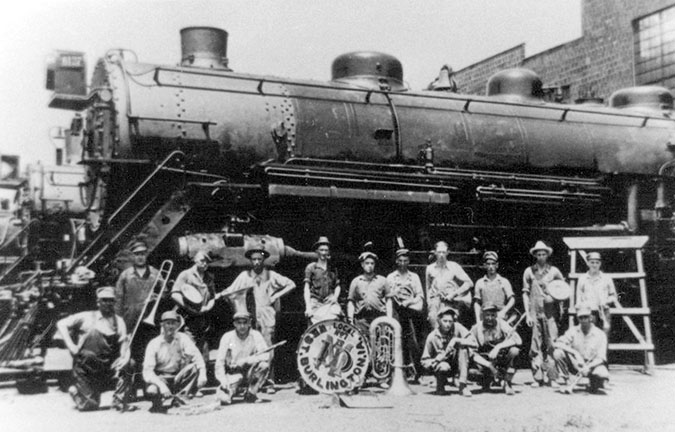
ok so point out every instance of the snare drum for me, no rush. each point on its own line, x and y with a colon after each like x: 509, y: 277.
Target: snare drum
x: 192, y: 296
x: 559, y: 290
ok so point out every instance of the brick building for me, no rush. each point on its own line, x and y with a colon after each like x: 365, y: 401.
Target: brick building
x: 623, y: 43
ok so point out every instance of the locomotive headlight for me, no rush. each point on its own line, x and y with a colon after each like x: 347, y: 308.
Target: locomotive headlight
x: 105, y: 95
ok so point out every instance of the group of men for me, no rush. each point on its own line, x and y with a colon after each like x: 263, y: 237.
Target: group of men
x: 173, y: 367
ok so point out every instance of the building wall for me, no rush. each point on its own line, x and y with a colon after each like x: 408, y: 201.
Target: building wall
x: 595, y: 65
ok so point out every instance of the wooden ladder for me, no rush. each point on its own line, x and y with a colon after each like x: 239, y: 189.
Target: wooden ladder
x: 578, y: 247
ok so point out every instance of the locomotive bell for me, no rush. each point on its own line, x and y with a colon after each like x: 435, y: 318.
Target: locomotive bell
x: 369, y: 69
x: 643, y: 97
x: 204, y: 47
x: 517, y: 82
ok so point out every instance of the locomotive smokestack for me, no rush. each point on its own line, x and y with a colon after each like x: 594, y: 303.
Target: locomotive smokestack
x: 204, y: 47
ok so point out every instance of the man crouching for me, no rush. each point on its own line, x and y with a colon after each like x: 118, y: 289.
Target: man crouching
x: 173, y: 366
x: 242, y: 361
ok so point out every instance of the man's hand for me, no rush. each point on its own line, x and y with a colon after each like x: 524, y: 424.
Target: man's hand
x: 308, y: 313
x: 74, y: 349
x: 164, y: 389
x: 494, y: 352
x: 585, y: 370
x: 529, y: 320
x: 208, y: 306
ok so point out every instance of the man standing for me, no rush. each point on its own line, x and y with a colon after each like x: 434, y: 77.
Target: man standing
x: 582, y: 349
x: 268, y: 287
x: 242, y: 362
x: 193, y: 292
x: 173, y: 366
x: 446, y: 351
x: 322, y: 285
x: 408, y: 298
x: 447, y: 284
x: 369, y: 295
x: 597, y: 290
x: 493, y: 288
x: 498, y: 346
x: 540, y: 313
x: 95, y: 347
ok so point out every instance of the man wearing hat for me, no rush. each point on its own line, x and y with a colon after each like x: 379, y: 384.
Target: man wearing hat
x: 94, y: 339
x: 369, y: 295
x: 447, y: 284
x: 408, y: 299
x: 322, y: 285
x: 193, y: 292
x: 498, y: 346
x: 268, y: 287
x: 597, y: 290
x: 173, y: 366
x: 583, y: 349
x: 493, y: 288
x: 241, y: 363
x: 540, y: 313
x: 446, y: 351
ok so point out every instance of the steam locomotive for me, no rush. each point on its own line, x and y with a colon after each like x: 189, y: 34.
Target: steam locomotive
x: 199, y: 157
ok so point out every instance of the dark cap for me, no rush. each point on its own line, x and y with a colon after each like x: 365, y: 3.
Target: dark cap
x: 256, y: 248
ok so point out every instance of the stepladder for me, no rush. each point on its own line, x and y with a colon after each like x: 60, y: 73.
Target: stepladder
x: 635, y: 306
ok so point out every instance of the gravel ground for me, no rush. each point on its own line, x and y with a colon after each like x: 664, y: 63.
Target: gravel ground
x: 634, y: 402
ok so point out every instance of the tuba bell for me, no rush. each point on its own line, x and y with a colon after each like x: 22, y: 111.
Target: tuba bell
x: 387, y: 354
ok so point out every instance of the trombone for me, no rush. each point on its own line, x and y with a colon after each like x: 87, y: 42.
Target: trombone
x: 163, y: 277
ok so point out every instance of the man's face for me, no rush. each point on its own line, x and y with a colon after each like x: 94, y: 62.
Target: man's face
x: 585, y: 322
x: 402, y: 263
x: 445, y: 322
x: 257, y: 260
x: 140, y: 258
x: 490, y: 318
x: 541, y: 256
x: 201, y: 263
x: 106, y: 305
x: 170, y: 327
x: 594, y: 264
x: 242, y: 326
x: 441, y: 252
x: 491, y: 267
x: 323, y: 251
x: 368, y: 265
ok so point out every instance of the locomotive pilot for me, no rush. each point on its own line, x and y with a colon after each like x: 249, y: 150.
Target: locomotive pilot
x: 173, y: 366
x: 583, y: 349
x: 540, y: 313
x: 493, y: 288
x: 446, y: 351
x: 597, y: 290
x: 193, y: 292
x: 498, y: 346
x: 94, y: 339
x: 268, y: 287
x: 408, y: 299
x: 322, y: 285
x: 447, y: 284
x: 369, y: 295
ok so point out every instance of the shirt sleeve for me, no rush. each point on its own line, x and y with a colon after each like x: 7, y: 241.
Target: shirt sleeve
x: 180, y: 281
x: 121, y: 328
x: 527, y: 280
x: 478, y: 295
x: 308, y: 272
x: 219, y: 367
x: 280, y: 282
x: 417, y: 285
x: 260, y: 344
x: 601, y: 350
x: 193, y: 353
x: 429, y: 352
x: 508, y: 289
x: 461, y: 275
x: 150, y: 362
x: 352, y: 291
x: 120, y: 289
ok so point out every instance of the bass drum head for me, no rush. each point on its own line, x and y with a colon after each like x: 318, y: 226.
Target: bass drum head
x: 192, y: 296
x: 559, y: 290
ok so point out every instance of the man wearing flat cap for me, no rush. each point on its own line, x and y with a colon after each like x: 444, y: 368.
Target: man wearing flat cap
x: 94, y: 339
x: 597, y: 290
x: 242, y: 362
x: 446, y: 351
x: 498, y: 346
x: 267, y: 287
x: 193, y: 292
x: 369, y: 295
x: 541, y: 313
x: 322, y: 285
x: 173, y: 366
x: 583, y: 350
x: 493, y: 288
x: 408, y: 297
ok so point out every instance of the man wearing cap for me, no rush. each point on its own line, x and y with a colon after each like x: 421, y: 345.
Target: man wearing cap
x: 582, y: 349
x: 408, y: 299
x: 322, y: 285
x: 369, y: 295
x: 597, y: 290
x: 241, y: 363
x: 446, y: 351
x: 94, y: 339
x: 540, y: 313
x: 173, y: 366
x: 268, y: 287
x: 493, y: 288
x: 193, y: 292
x: 498, y: 346
x: 447, y: 284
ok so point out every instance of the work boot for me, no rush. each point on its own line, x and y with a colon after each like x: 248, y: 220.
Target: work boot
x: 464, y: 390
x: 508, y: 388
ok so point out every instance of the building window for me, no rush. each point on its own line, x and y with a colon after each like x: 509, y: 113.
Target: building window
x: 655, y: 48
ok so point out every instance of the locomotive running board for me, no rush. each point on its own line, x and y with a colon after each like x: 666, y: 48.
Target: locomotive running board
x: 335, y: 192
